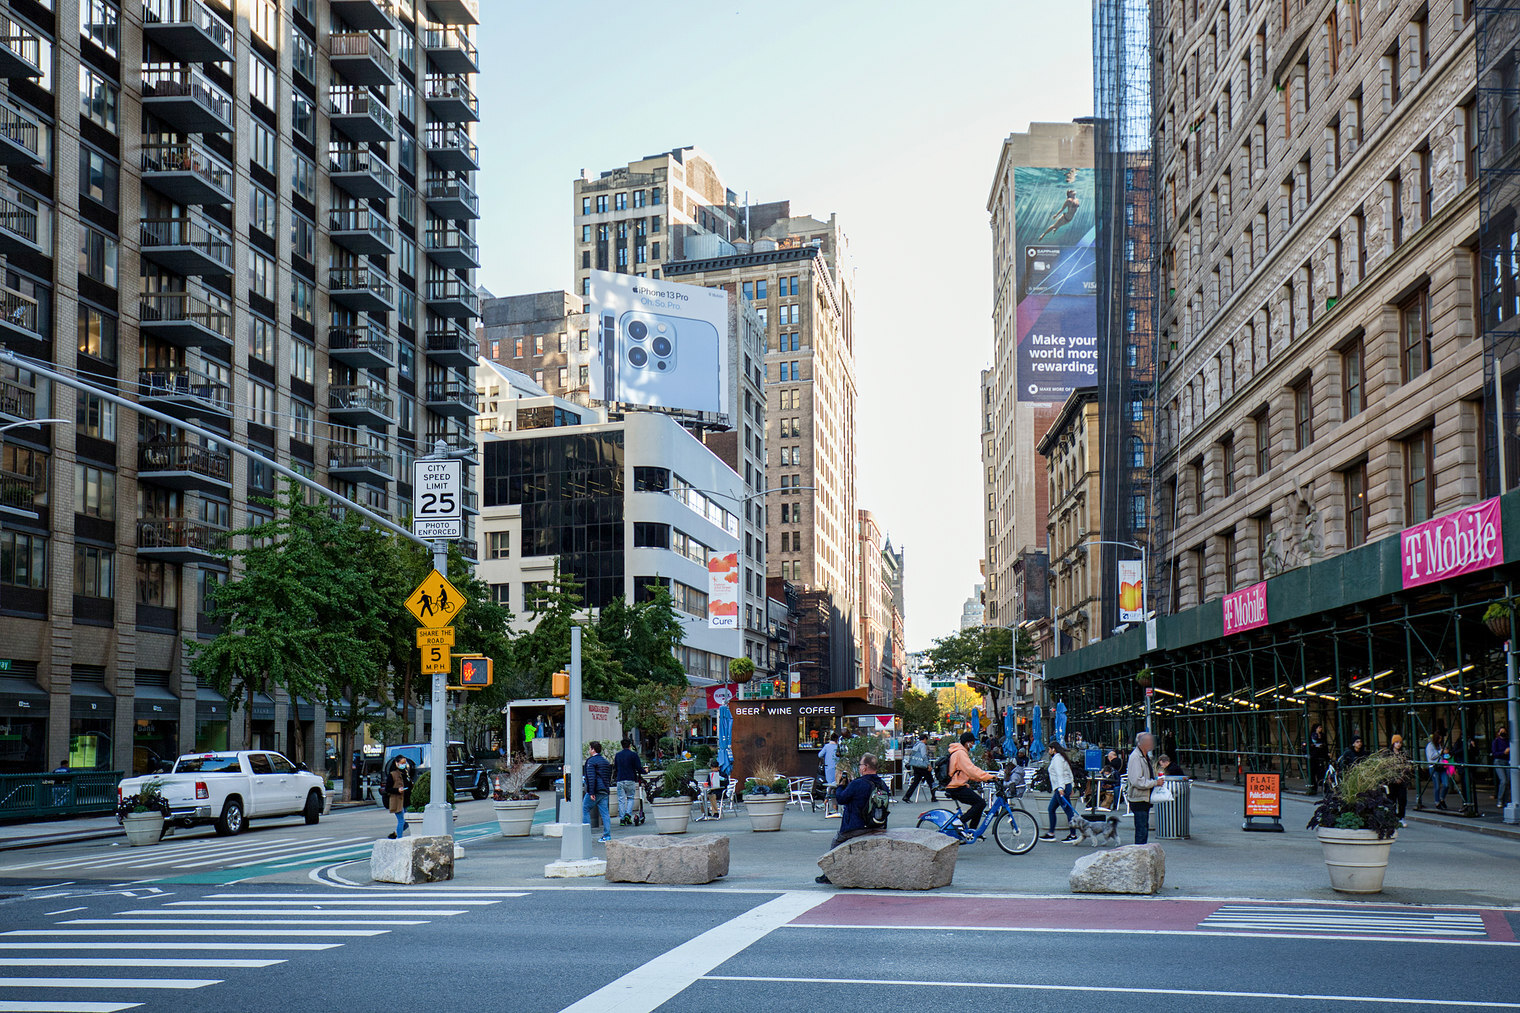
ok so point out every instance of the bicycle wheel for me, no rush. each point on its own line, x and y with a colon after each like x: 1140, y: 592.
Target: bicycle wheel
x: 1020, y: 833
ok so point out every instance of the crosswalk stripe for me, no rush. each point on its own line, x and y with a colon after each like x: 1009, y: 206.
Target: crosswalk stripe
x: 160, y: 852
x: 267, y: 852
x: 251, y: 947
x: 244, y: 921
x: 287, y: 912
x: 67, y: 1007
x: 194, y: 932
x: 345, y: 901
x: 1419, y: 924
x: 367, y: 892
x: 178, y: 984
x: 158, y: 961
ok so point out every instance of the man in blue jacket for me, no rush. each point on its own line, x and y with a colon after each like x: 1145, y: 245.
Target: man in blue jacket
x: 627, y: 768
x: 596, y: 778
x: 855, y: 805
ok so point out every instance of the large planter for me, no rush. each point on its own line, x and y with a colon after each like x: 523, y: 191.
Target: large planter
x: 327, y: 801
x: 671, y: 814
x: 516, y: 817
x: 413, y: 820
x: 143, y: 829
x: 765, y: 811
x: 1356, y: 859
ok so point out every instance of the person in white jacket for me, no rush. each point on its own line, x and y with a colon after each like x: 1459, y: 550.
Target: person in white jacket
x: 1061, y: 782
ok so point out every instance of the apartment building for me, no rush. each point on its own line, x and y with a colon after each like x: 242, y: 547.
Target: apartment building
x: 1071, y: 450
x: 258, y: 218
x: 543, y: 335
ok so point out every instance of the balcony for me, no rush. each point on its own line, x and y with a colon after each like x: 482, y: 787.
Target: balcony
x: 188, y: 29
x: 361, y: 59
x: 451, y: 246
x: 360, y: 116
x: 178, y: 540
x: 452, y: 345
x: 360, y: 464
x: 452, y: 148
x: 451, y: 50
x: 183, y: 95
x: 361, y: 173
x: 454, y: 12
x: 452, y: 399
x: 22, y: 494
x: 366, y: 14
x: 20, y: 138
x: 468, y: 548
x: 451, y: 199
x: 361, y: 230
x: 469, y: 501
x: 360, y: 405
x: 20, y: 50
x: 190, y: 246
x: 18, y: 227
x: 18, y: 313
x: 185, y: 320
x: 184, y: 392
x: 187, y: 173
x: 450, y: 297
x: 450, y: 99
x: 184, y: 466
x: 363, y: 289
x: 18, y: 402
x: 364, y: 345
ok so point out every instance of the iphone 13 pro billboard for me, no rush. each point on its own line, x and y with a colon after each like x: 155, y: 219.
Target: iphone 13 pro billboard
x: 658, y: 343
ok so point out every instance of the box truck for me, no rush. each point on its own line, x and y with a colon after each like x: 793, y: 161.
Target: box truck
x: 600, y: 720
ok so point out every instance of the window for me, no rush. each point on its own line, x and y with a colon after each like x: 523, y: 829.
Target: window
x: 94, y: 571
x: 498, y: 544
x: 303, y: 360
x: 563, y: 378
x: 1392, y: 70
x: 1470, y: 147
x: 1427, y: 184
x: 157, y: 584
x: 1353, y: 369
x: 94, y: 491
x: 1303, y: 414
x: 303, y: 239
x: 1261, y: 422
x: 300, y: 420
x: 1355, y: 480
x: 651, y: 536
x: 263, y: 210
x: 620, y: 202
x: 601, y: 203
x: 97, y: 333
x: 1195, y: 471
x: 304, y: 177
x: 261, y: 403
x: 303, y: 300
x: 99, y: 177
x: 304, y: 56
x: 263, y: 83
x: 583, y: 340
x: 98, y: 22
x: 264, y: 149
x: 303, y: 121
x: 1227, y: 552
x: 1419, y: 478
x: 97, y: 255
x: 261, y: 275
x: 583, y: 380
x: 23, y: 560
x: 1414, y: 335
x: 1227, y: 463
x: 96, y: 417
x: 98, y: 99
x: 261, y: 340
x: 1396, y: 208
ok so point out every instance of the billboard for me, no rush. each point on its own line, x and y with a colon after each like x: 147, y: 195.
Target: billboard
x: 1056, y: 282
x: 723, y: 591
x: 1131, y: 591
x: 659, y: 343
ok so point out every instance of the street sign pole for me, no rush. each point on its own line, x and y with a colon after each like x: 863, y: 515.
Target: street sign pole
x: 575, y: 842
x: 437, y: 817
x: 437, y: 515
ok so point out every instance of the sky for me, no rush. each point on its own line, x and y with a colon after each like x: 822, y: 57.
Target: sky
x: 891, y: 114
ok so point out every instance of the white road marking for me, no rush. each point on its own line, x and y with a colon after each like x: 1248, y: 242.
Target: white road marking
x: 136, y: 945
x: 1371, y: 938
x: 192, y: 932
x: 646, y: 988
x: 347, y: 896
x: 287, y: 912
x: 1116, y: 989
x: 156, y: 960
x: 65, y: 911
x: 254, y: 899
x: 243, y: 921
x: 178, y: 984
x: 67, y: 1007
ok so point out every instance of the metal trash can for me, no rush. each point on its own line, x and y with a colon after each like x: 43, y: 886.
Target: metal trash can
x: 1174, y: 818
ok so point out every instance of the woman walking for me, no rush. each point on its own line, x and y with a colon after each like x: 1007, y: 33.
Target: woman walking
x: 397, y: 785
x: 1399, y: 790
x: 1061, y: 781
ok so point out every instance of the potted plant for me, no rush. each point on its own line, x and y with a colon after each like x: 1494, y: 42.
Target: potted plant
x: 672, y: 809
x: 741, y: 670
x: 143, y: 814
x: 515, y: 803
x: 1496, y: 618
x: 420, y: 792
x: 327, y: 795
x: 765, y: 797
x: 1143, y: 677
x: 1357, y: 822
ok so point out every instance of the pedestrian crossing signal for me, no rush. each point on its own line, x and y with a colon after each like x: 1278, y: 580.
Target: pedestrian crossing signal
x: 474, y: 672
x: 560, y: 684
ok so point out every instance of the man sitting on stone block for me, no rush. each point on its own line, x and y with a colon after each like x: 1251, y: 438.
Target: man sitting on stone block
x: 862, y: 810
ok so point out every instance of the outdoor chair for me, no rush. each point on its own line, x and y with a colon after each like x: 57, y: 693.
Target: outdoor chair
x: 801, y: 791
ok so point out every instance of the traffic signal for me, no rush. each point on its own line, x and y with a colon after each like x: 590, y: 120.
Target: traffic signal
x: 779, y: 687
x: 474, y: 671
x: 560, y: 684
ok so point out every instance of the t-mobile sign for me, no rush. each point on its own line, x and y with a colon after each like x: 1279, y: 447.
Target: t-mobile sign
x: 1245, y: 609
x: 1469, y: 539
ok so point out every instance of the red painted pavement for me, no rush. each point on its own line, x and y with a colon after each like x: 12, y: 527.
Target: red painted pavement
x: 1009, y: 912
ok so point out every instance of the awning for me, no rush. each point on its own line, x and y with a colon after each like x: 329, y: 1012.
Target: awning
x: 210, y: 705
x: 155, y: 703
x: 91, y: 699
x: 22, y: 698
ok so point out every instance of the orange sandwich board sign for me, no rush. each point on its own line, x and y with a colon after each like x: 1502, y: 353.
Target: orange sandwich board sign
x: 1263, y: 801
x: 435, y: 602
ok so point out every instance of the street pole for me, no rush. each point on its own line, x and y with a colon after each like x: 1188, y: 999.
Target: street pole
x: 575, y: 842
x: 1512, y: 810
x: 437, y: 816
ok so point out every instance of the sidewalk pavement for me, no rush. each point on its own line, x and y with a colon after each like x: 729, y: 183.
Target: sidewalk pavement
x: 1431, y: 863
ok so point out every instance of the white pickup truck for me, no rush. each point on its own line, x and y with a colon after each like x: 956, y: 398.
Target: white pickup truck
x: 227, y: 789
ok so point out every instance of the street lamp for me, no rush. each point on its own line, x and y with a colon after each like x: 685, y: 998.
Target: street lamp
x: 33, y: 422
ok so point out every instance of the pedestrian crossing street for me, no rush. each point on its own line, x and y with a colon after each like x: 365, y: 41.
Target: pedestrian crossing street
x: 217, y: 859
x: 1342, y: 921
x: 145, y: 954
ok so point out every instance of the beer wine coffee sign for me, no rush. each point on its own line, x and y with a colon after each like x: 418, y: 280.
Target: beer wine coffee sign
x: 1468, y: 539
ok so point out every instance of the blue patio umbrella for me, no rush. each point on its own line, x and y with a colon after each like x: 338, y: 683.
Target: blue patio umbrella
x: 1008, y: 725
x: 976, y: 721
x: 725, y: 740
x: 1060, y: 732
x: 1037, y: 744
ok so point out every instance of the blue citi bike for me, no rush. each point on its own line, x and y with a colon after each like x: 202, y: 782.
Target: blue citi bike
x: 1014, y: 828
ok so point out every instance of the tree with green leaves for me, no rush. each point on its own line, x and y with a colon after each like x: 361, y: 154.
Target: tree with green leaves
x: 545, y: 649
x: 643, y: 637
x: 917, y: 710
x: 653, y: 708
x: 984, y: 653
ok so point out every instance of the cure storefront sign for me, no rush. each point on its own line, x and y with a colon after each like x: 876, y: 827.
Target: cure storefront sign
x: 1245, y: 609
x: 1448, y: 546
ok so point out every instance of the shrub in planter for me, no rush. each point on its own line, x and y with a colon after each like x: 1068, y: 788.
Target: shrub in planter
x: 741, y: 670
x: 678, y: 781
x: 766, y: 781
x: 702, y: 756
x: 1360, y: 799
x: 510, y: 781
x: 149, y: 799
x: 669, y: 746
x: 422, y: 789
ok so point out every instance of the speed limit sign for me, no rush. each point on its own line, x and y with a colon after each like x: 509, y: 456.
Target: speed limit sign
x: 436, y: 504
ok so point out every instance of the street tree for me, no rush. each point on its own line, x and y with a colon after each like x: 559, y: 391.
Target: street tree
x: 643, y: 638
x: 917, y: 710
x: 653, y: 708
x: 537, y: 654
x: 984, y: 653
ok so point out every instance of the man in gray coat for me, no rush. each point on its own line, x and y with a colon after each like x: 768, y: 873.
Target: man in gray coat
x: 1139, y: 778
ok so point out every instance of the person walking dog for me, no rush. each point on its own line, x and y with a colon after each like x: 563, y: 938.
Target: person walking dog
x: 1061, y: 780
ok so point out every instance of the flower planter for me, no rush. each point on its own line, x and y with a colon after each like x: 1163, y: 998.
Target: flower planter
x: 143, y: 829
x: 515, y: 817
x: 1498, y: 626
x: 671, y: 814
x: 765, y: 811
x: 327, y: 801
x: 1356, y: 859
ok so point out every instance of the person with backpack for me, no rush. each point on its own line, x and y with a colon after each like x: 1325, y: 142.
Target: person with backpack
x: 396, y: 788
x: 918, y: 762
x: 863, y: 806
x: 1061, y: 782
x: 596, y: 777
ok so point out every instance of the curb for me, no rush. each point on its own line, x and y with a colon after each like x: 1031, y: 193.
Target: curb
x: 22, y: 843
x: 1413, y: 815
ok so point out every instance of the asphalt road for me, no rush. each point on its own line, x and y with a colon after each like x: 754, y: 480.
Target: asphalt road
x: 99, y: 948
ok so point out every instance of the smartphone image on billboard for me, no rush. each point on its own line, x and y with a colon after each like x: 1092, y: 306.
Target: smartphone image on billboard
x: 667, y: 361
